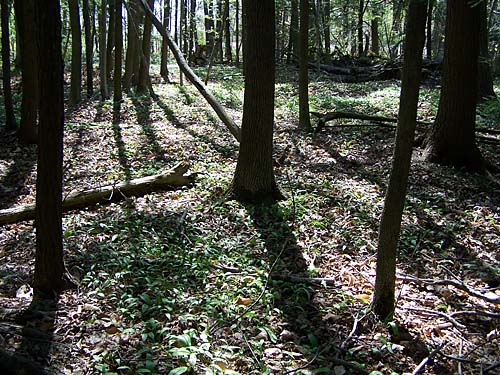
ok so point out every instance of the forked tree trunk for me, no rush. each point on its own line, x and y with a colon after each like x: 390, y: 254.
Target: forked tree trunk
x: 304, y: 117
x: 75, y: 91
x: 10, y: 120
x: 390, y: 223
x: 254, y: 176
x: 50, y: 273
x: 452, y: 138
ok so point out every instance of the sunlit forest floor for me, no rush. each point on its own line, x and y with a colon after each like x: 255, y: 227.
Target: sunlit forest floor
x: 186, y: 281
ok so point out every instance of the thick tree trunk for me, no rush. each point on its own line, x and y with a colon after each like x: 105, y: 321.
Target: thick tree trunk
x: 89, y: 47
x: 103, y: 76
x: 254, y: 176
x: 10, y: 119
x: 209, y: 23
x: 50, y: 273
x: 75, y: 91
x: 390, y: 223
x: 25, y: 15
x: 143, y: 82
x: 195, y: 80
x: 375, y: 34
x: 107, y: 194
x: 133, y: 53
x: 452, y: 138
x: 118, y: 39
x: 304, y: 117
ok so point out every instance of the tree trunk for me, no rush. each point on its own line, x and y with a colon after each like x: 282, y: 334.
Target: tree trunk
x: 254, y: 176
x: 50, y: 273
x: 10, y: 119
x: 209, y: 23
x: 452, y: 138
x: 164, y: 45
x: 304, y: 117
x: 220, y: 30
x: 111, y: 38
x: 143, y: 82
x: 227, y: 33
x: 193, y: 37
x: 103, y: 76
x: 75, y: 91
x: 361, y: 10
x: 118, y: 41
x: 25, y: 15
x: 89, y: 48
x: 484, y: 76
x: 428, y: 45
x: 326, y: 26
x: 390, y: 223
x: 176, y: 23
x: 375, y: 34
x: 133, y: 54
x: 237, y: 31
x: 293, y: 39
x: 18, y: 58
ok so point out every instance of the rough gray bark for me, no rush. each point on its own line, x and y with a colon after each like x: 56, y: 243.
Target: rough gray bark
x: 390, y: 223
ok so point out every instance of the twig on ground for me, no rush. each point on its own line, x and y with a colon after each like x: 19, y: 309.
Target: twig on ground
x: 437, y: 313
x: 427, y: 359
x: 457, y: 284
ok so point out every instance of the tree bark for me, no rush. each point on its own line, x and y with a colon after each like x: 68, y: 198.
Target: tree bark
x: 50, y: 272
x: 304, y: 117
x: 390, y: 223
x: 361, y: 11
x: 227, y: 34
x: 25, y: 15
x: 133, y: 54
x: 452, y: 138
x: 110, y: 45
x: 484, y: 76
x: 375, y: 33
x: 164, y: 45
x: 10, y: 119
x: 143, y: 82
x: 75, y: 91
x: 118, y: 41
x: 195, y: 80
x: 209, y: 23
x: 103, y: 76
x: 254, y: 179
x: 237, y: 31
x: 89, y: 48
x: 428, y: 45
x: 293, y: 38
x: 107, y: 194
x: 326, y: 26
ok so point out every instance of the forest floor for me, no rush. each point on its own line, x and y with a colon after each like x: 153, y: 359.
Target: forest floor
x: 186, y: 281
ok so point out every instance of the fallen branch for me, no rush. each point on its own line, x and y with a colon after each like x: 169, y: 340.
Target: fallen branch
x: 427, y: 359
x: 193, y: 78
x: 457, y: 284
x: 437, y: 313
x: 107, y: 194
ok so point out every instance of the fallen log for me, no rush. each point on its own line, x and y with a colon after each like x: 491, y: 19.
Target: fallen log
x: 107, y: 194
x: 323, y: 118
x: 193, y: 78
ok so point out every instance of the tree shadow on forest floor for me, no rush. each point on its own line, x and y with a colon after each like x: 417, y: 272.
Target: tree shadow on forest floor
x: 120, y: 144
x: 35, y: 326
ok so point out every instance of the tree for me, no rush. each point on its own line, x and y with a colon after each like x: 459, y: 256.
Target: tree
x: 75, y: 91
x: 143, y: 81
x: 164, y: 44
x: 390, y: 223
x: 452, y: 138
x: 254, y: 176
x: 292, y: 48
x: 209, y: 23
x: 118, y: 41
x: 304, y: 117
x: 110, y: 44
x: 25, y: 15
x: 50, y: 272
x: 484, y: 76
x: 103, y: 76
x: 227, y: 33
x: 88, y: 47
x: 10, y: 120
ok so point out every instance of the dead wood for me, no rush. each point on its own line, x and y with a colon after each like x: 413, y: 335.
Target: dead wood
x: 193, y: 78
x: 106, y: 194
